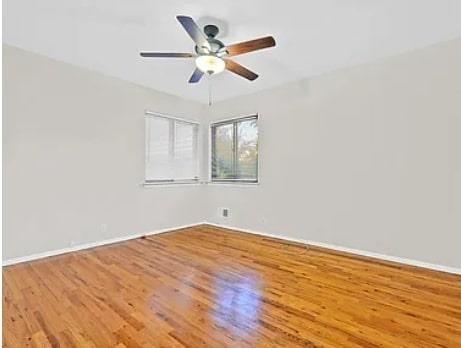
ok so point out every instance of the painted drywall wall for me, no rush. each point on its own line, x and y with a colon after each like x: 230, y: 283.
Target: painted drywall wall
x: 74, y: 158
x: 367, y: 158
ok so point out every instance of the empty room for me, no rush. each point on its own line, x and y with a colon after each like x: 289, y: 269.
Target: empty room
x: 231, y: 174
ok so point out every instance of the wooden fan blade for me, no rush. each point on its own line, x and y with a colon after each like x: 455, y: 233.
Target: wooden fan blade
x: 238, y: 69
x: 194, y: 31
x: 250, y: 46
x: 196, y: 76
x: 166, y: 55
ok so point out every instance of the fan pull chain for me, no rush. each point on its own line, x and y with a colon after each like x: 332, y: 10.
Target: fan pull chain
x: 210, y: 100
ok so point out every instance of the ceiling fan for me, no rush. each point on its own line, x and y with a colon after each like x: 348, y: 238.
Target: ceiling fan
x: 211, y: 55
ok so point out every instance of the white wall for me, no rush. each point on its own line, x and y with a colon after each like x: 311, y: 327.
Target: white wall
x: 74, y: 157
x: 366, y: 158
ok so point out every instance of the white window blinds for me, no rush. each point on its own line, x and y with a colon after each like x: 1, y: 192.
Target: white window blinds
x: 171, y: 150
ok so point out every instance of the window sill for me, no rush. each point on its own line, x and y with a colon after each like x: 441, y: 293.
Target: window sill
x: 199, y: 183
x: 233, y: 184
x: 171, y: 184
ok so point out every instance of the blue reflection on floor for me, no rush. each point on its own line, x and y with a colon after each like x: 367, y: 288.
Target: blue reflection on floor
x: 238, y: 305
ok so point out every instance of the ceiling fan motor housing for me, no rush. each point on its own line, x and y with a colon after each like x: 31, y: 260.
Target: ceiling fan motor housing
x: 216, y: 46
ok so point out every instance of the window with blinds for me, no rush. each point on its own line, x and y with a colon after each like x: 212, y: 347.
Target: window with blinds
x: 234, y: 150
x: 171, y: 150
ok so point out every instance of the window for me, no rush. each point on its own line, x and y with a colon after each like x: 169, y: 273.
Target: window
x: 171, y: 150
x: 234, y: 150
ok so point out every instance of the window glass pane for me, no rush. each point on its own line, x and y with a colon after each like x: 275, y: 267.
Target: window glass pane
x: 247, y: 150
x: 235, y: 150
x: 223, y: 151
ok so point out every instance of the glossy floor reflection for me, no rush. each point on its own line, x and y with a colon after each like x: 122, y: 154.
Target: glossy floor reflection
x: 209, y: 287
x: 238, y: 305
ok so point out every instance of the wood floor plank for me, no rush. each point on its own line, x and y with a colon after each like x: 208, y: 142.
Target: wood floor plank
x: 211, y: 287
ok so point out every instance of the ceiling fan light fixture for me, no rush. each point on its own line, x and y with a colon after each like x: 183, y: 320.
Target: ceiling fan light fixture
x: 210, y: 64
x: 211, y: 55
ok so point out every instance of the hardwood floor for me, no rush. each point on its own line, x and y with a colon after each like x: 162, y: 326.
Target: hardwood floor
x: 209, y: 287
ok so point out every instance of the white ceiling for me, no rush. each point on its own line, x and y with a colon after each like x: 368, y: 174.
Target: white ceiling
x: 313, y: 36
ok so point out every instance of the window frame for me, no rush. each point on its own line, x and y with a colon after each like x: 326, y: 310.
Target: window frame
x: 196, y: 180
x: 234, y: 121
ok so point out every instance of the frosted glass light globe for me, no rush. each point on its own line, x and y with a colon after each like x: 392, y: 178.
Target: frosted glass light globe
x: 210, y: 64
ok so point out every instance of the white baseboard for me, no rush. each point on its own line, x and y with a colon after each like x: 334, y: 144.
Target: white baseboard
x: 90, y: 245
x: 396, y: 259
